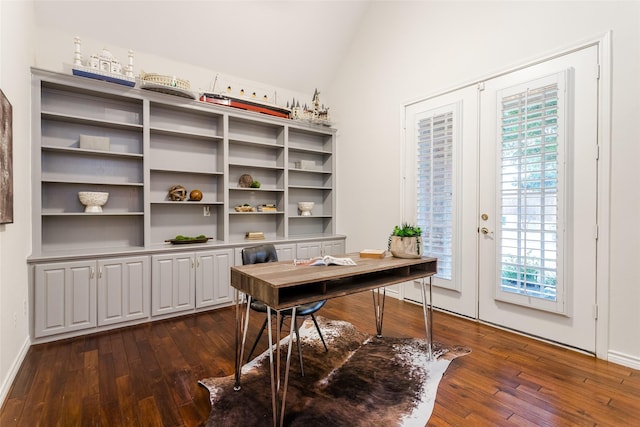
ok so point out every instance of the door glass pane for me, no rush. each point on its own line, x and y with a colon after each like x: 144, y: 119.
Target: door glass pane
x: 435, y: 188
x: 529, y: 189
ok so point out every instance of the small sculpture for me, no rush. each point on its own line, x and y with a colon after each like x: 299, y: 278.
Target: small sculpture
x: 245, y: 208
x: 318, y: 114
x: 195, y: 195
x: 105, y: 62
x: 177, y: 193
x: 102, y: 66
x: 245, y: 181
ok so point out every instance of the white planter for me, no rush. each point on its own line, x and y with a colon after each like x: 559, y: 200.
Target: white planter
x: 406, y: 247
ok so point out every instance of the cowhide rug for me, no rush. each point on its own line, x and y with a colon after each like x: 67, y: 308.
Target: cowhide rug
x: 361, y: 381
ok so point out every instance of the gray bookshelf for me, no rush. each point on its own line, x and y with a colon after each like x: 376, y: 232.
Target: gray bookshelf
x: 119, y: 259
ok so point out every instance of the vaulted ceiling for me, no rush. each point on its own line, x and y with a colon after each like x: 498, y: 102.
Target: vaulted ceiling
x: 290, y: 44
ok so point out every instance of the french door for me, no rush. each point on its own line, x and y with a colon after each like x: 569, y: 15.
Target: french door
x: 515, y: 220
x: 441, y: 171
x: 538, y: 200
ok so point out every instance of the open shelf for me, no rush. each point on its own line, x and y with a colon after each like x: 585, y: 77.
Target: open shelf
x: 150, y: 143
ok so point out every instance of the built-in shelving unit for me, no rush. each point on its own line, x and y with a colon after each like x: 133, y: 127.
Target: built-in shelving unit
x: 256, y: 148
x: 63, y: 168
x: 186, y: 147
x: 117, y: 264
x: 157, y: 141
x: 310, y: 178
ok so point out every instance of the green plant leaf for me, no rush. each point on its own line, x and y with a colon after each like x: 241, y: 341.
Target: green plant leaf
x: 406, y: 230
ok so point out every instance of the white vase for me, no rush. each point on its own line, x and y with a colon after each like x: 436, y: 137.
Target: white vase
x: 305, y: 208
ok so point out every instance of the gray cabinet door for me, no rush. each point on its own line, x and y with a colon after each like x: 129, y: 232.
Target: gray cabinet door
x: 309, y: 249
x: 213, y: 282
x: 65, y: 297
x: 333, y: 247
x: 172, y: 283
x: 316, y: 249
x: 286, y: 252
x: 123, y: 290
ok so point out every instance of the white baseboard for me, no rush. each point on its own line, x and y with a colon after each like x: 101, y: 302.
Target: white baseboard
x: 623, y: 359
x: 15, y: 367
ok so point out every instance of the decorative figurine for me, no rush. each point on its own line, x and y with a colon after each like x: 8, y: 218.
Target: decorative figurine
x: 318, y: 114
x: 238, y: 98
x: 177, y: 193
x: 102, y: 66
x: 171, y: 85
x: 245, y: 181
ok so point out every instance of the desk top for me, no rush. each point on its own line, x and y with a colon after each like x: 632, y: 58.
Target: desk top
x: 283, y: 284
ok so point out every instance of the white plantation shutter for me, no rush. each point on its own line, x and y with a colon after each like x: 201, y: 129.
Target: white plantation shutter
x: 435, y: 182
x: 530, y: 188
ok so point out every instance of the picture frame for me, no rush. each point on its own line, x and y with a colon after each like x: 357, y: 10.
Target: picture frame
x: 6, y: 160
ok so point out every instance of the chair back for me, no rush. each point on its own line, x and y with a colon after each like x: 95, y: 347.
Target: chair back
x: 259, y: 254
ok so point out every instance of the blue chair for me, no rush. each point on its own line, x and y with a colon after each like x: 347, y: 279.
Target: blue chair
x: 267, y: 253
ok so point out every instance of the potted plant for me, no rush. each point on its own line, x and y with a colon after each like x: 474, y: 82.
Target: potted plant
x: 405, y: 241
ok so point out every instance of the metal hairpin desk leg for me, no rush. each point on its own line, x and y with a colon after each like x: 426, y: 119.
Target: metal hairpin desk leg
x: 278, y: 410
x: 241, y: 334
x: 274, y: 386
x: 427, y: 311
x: 242, y: 324
x: 378, y: 308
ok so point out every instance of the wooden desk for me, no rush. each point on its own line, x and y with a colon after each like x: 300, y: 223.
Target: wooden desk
x: 283, y: 285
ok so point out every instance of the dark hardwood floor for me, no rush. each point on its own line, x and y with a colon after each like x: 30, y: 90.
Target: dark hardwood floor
x: 147, y: 375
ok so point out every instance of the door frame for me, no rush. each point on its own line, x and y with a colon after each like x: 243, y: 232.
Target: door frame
x: 603, y: 42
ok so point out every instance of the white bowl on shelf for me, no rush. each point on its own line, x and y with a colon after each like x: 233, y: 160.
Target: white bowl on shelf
x: 305, y: 208
x: 93, y: 200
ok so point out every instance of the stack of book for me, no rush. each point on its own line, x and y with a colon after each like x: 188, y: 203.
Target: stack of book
x: 254, y: 235
x: 267, y: 208
x: 373, y: 253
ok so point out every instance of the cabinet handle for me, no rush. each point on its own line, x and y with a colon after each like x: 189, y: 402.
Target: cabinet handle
x: 93, y: 273
x: 100, y: 273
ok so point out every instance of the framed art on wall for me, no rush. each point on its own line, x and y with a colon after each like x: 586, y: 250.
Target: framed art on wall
x: 6, y: 163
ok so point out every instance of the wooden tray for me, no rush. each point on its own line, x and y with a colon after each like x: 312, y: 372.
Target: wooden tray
x: 189, y: 241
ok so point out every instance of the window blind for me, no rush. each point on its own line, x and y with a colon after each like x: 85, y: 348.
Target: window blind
x: 435, y: 188
x: 528, y: 190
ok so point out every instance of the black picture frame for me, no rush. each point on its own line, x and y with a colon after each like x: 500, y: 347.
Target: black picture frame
x: 6, y: 160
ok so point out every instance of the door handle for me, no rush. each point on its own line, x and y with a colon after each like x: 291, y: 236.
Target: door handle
x: 484, y: 230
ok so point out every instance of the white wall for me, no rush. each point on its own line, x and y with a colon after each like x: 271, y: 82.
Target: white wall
x: 16, y: 54
x: 55, y: 47
x: 409, y: 50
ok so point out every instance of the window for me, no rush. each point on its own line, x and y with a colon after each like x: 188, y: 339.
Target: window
x: 435, y: 186
x: 529, y: 190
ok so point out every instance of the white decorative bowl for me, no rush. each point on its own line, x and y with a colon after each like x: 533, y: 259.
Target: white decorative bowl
x: 93, y: 200
x: 304, y: 208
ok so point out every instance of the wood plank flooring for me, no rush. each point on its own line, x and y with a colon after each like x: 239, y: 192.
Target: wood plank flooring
x: 147, y: 375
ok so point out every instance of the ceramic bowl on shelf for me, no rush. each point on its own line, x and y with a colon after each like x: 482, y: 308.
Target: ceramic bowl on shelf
x: 305, y: 208
x: 93, y: 200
